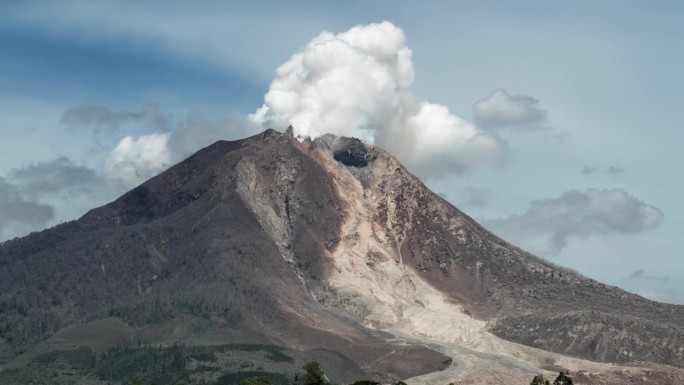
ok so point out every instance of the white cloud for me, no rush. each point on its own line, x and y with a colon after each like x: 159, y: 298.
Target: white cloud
x: 133, y: 161
x: 501, y: 110
x: 577, y: 214
x: 357, y: 83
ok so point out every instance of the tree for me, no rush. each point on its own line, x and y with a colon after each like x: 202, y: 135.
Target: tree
x: 256, y: 381
x: 563, y: 379
x: 539, y: 380
x: 313, y: 374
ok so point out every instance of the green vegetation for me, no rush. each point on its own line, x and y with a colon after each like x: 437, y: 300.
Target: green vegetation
x: 366, y: 382
x: 562, y: 379
x: 253, y: 378
x: 539, y: 380
x: 313, y: 374
x: 159, y: 365
x: 162, y: 365
x: 203, y: 324
x: 273, y: 353
x: 256, y: 381
x: 81, y: 358
x: 139, y: 364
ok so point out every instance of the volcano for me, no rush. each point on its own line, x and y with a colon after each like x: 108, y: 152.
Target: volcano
x: 326, y: 247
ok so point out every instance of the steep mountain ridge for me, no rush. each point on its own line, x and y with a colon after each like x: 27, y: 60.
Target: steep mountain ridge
x: 187, y: 242
x: 491, y: 278
x: 327, y: 243
x: 405, y: 252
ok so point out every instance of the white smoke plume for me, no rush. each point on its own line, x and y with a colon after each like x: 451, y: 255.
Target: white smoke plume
x: 357, y: 83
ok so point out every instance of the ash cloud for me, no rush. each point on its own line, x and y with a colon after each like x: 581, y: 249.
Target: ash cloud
x: 615, y: 170
x: 16, y: 211
x: 192, y: 134
x: 667, y: 296
x: 611, y: 170
x: 642, y: 275
x: 103, y: 120
x: 589, y: 170
x: 358, y: 83
x: 472, y: 197
x: 502, y: 110
x: 30, y: 196
x: 578, y: 214
x: 58, y: 175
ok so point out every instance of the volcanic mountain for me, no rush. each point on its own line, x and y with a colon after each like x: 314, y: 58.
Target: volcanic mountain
x: 328, y: 246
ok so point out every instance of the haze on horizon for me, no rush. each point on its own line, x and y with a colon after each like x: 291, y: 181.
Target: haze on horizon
x: 552, y: 124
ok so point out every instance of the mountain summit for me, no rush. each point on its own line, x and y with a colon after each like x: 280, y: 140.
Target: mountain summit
x: 325, y: 245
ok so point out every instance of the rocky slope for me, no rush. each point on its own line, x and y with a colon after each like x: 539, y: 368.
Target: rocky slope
x: 331, y: 244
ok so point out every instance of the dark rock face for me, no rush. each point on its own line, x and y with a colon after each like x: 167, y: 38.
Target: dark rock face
x: 353, y: 152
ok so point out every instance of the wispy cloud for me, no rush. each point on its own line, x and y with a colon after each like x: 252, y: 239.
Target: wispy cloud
x: 668, y: 296
x: 101, y: 119
x: 642, y: 275
x: 472, y: 197
x: 29, y: 195
x: 578, y: 214
x: 502, y: 110
x: 58, y: 175
x: 135, y: 159
x: 610, y: 170
x: 206, y: 34
x: 46, y: 192
x: 15, y: 210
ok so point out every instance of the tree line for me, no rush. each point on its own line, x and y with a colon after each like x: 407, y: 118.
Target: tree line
x: 314, y: 375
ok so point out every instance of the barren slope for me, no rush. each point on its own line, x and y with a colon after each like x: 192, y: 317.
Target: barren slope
x: 411, y: 264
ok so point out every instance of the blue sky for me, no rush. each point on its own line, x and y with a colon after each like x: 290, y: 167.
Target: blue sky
x: 593, y: 183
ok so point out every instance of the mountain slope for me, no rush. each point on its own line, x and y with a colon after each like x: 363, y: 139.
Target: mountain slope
x: 327, y: 244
